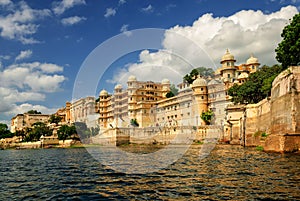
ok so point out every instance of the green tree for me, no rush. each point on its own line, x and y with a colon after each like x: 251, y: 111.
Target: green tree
x: 4, y: 132
x: 205, y: 72
x: 65, y: 132
x: 38, y: 129
x: 54, y: 119
x: 33, y: 112
x: 207, y: 116
x: 257, y: 87
x: 288, y: 50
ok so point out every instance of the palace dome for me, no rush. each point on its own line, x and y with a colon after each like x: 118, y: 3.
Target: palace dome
x: 118, y: 86
x: 165, y: 81
x: 103, y: 93
x: 199, y: 82
x: 227, y: 56
x: 252, y: 60
x: 131, y: 78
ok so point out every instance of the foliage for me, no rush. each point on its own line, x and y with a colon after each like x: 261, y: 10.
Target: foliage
x: 288, y: 50
x: 20, y: 133
x: 206, y: 72
x: 35, y: 133
x: 4, y: 132
x: 207, y: 116
x: 55, y: 119
x: 33, y: 112
x: 257, y: 87
x: 264, y: 134
x: 84, y: 132
x: 134, y: 122
x: 65, y: 132
x: 173, y: 89
x: 259, y: 148
x: 170, y: 94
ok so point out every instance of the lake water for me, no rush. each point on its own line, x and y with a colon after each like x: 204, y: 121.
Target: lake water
x: 228, y: 173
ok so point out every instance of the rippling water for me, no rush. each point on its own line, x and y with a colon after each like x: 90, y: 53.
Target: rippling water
x: 228, y: 173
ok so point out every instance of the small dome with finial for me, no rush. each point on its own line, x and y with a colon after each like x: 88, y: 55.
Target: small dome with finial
x: 199, y: 82
x: 103, y: 93
x: 131, y: 78
x: 227, y: 57
x: 252, y: 60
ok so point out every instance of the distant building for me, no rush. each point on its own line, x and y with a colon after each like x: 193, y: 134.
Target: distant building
x: 21, y: 121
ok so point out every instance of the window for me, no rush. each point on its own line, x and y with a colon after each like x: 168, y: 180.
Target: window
x: 201, y: 89
x: 228, y: 64
x: 228, y: 75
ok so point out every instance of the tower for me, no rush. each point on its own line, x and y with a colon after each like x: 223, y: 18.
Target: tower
x: 228, y: 69
x: 199, y: 87
x: 252, y: 64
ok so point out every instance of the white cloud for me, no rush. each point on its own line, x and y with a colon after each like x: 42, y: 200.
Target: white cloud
x: 18, y: 24
x: 148, y: 9
x: 205, y: 41
x: 124, y: 30
x: 24, y: 55
x: 110, y: 12
x: 5, y: 2
x: 22, y: 84
x: 22, y: 108
x: 60, y: 7
x: 122, y: 2
x: 32, y: 77
x: 72, y: 20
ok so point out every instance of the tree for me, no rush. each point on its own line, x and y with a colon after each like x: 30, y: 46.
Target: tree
x: 207, y: 116
x: 82, y: 130
x: 54, y: 119
x: 257, y: 87
x: 288, y: 50
x: 4, y: 132
x: 33, y: 112
x: 35, y: 133
x: 205, y: 72
x: 65, y: 132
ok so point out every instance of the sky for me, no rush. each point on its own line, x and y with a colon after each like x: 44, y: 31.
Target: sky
x: 49, y: 50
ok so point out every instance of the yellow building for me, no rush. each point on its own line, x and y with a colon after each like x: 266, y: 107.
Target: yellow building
x: 21, y: 121
x: 147, y: 103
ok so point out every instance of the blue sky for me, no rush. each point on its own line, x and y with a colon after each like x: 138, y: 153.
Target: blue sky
x: 43, y: 44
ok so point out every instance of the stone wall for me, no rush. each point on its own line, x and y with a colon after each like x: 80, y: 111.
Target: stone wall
x: 278, y: 116
x: 257, y: 122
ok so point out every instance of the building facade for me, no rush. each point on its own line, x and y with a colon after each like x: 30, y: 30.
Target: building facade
x: 146, y: 102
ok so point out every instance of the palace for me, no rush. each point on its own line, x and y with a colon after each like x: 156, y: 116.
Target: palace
x: 146, y: 102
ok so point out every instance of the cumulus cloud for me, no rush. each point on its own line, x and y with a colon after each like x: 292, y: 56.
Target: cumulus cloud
x: 72, y: 20
x: 110, y: 12
x: 148, y: 9
x: 124, y: 30
x: 18, y: 24
x: 24, y: 54
x: 205, y: 41
x: 22, y: 108
x: 60, y: 7
x: 24, y: 83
